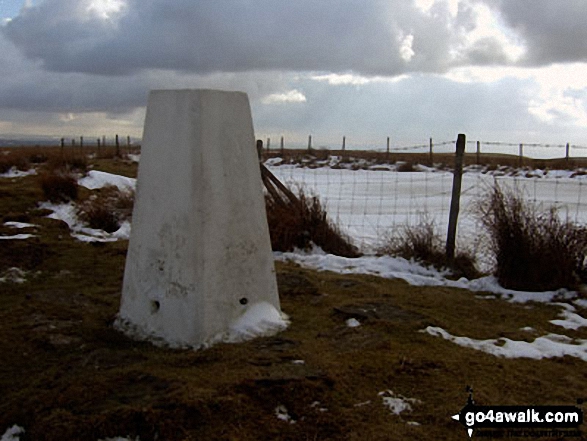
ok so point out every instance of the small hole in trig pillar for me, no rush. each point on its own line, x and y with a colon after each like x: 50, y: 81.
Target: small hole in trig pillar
x: 155, y: 306
x: 243, y: 301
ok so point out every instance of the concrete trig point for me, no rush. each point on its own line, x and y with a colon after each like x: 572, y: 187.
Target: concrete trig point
x: 199, y: 256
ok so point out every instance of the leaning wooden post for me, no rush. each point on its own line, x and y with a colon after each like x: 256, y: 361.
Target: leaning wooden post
x: 455, y: 201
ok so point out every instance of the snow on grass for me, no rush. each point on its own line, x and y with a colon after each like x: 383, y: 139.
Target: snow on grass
x: 12, y: 224
x: 396, y: 403
x: 13, y: 275
x: 120, y: 438
x: 12, y: 434
x: 413, y: 273
x: 16, y: 173
x: 570, y: 320
x: 98, y: 179
x: 259, y: 319
x: 548, y: 346
x: 17, y: 237
x: 67, y: 213
x: 282, y: 414
x: 353, y: 323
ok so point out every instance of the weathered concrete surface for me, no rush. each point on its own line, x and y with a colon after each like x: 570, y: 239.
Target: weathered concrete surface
x: 199, y: 252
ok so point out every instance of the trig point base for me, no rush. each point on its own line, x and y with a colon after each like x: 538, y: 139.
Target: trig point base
x: 199, y: 256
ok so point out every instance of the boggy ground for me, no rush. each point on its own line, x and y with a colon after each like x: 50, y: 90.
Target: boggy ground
x: 66, y: 374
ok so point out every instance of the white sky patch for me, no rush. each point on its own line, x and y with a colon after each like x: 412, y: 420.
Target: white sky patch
x: 405, y: 49
x: 334, y: 79
x: 293, y: 96
x: 426, y: 6
x: 559, y: 91
x: 548, y: 346
x: 106, y: 9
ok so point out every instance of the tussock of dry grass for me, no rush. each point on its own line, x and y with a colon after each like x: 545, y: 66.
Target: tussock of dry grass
x: 106, y: 208
x: 301, y: 224
x: 534, y: 250
x: 422, y: 243
x: 58, y: 186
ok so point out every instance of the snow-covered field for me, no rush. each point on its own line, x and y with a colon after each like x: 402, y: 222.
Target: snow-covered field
x: 367, y: 204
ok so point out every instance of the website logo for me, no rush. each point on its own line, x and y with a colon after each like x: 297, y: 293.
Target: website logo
x: 552, y: 420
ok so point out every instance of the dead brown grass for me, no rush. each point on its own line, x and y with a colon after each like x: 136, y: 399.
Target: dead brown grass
x: 304, y: 223
x: 422, y: 243
x: 106, y: 208
x: 534, y: 250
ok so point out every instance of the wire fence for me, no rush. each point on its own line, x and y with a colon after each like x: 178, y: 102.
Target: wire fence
x: 370, y: 200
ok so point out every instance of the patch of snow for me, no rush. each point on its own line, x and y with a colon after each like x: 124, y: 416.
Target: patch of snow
x: 13, y: 275
x: 353, y: 323
x: 67, y: 214
x: 396, y: 403
x: 17, y: 237
x: 121, y: 438
x: 570, y: 320
x: 282, y: 414
x: 259, y: 319
x: 415, y: 274
x: 16, y: 173
x: 413, y: 423
x: 12, y: 224
x: 273, y: 161
x: 98, y: 179
x: 527, y: 329
x: 364, y: 403
x: 298, y: 362
x: 133, y: 157
x: 12, y: 433
x: 548, y: 346
x: 582, y: 303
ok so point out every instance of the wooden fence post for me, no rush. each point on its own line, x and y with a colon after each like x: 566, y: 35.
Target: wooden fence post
x: 309, y: 143
x: 117, y: 147
x: 521, y: 159
x: 282, y: 147
x: 387, y: 151
x: 343, y: 143
x: 455, y: 200
x: 431, y: 153
x: 268, y: 144
x: 62, y: 145
x: 478, y: 152
x: 567, y: 156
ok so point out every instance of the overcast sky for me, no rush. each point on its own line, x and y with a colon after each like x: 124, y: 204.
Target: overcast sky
x: 497, y: 70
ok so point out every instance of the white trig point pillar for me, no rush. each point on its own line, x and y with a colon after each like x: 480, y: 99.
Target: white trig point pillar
x: 199, y: 267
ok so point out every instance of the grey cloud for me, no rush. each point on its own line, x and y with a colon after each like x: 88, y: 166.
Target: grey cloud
x: 554, y: 31
x: 234, y: 36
